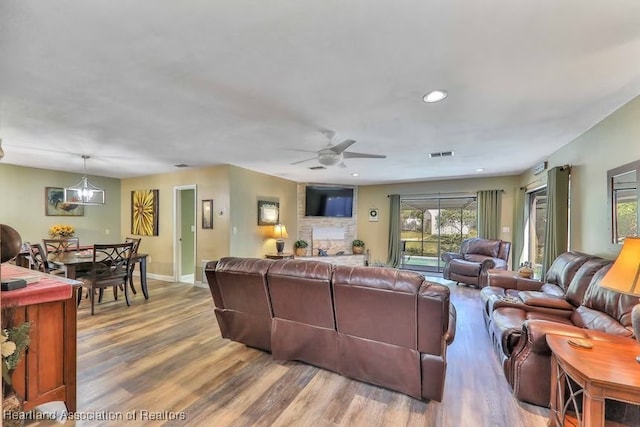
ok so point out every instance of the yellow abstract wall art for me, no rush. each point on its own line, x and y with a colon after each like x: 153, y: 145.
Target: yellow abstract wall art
x: 144, y: 212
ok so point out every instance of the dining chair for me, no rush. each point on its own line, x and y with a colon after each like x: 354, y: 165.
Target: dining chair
x: 53, y: 247
x: 136, y: 244
x: 38, y: 258
x: 110, y: 268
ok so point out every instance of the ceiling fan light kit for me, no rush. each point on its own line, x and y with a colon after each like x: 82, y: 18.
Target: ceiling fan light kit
x: 332, y: 155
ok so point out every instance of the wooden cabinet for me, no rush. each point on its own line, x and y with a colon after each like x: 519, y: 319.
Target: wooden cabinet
x: 47, y: 372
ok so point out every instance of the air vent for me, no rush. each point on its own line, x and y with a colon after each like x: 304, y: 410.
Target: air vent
x: 441, y: 154
x: 315, y: 168
x: 181, y: 165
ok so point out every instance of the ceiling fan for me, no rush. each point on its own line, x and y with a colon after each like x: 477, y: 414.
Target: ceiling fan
x: 332, y: 155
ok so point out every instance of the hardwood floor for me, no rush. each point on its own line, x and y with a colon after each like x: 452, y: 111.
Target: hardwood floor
x: 165, y: 356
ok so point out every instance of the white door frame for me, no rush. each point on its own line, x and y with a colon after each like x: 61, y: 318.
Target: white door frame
x: 177, y: 255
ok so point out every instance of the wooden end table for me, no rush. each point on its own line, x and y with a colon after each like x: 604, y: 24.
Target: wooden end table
x: 608, y: 370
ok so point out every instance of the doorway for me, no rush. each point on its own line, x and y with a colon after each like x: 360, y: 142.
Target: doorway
x: 184, y: 233
x: 433, y: 225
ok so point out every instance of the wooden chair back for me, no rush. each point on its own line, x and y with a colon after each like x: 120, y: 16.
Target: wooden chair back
x: 110, y: 268
x: 58, y: 246
x: 136, y: 243
x: 38, y: 258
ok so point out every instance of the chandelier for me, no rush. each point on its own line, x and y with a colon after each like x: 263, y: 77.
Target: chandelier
x: 84, y: 192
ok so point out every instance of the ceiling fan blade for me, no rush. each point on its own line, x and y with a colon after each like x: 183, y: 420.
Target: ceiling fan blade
x: 352, y: 155
x: 342, y: 146
x: 302, y: 161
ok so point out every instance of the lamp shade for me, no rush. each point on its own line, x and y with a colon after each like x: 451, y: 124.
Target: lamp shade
x: 280, y: 231
x: 624, y: 274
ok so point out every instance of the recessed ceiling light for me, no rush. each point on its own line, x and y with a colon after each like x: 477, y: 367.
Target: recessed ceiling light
x: 480, y: 170
x: 435, y: 96
x: 355, y: 174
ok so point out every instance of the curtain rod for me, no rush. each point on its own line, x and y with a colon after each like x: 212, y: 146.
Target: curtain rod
x: 452, y: 194
x: 539, y: 180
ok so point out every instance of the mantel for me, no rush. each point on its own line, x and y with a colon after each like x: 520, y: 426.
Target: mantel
x: 346, y: 259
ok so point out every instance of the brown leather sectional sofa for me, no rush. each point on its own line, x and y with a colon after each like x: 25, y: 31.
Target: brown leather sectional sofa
x: 379, y: 325
x: 519, y: 313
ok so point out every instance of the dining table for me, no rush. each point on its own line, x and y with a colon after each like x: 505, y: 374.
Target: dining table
x: 78, y: 261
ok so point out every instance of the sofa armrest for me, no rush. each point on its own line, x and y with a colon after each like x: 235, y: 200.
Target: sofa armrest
x: 534, y: 334
x: 448, y: 256
x: 540, y: 299
x: 507, y: 281
x: 434, y: 317
x: 451, y: 331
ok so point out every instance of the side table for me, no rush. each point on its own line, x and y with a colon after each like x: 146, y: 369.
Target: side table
x: 608, y: 370
x: 283, y: 255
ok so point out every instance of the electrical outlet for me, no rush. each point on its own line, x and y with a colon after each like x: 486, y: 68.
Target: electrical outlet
x: 149, y: 259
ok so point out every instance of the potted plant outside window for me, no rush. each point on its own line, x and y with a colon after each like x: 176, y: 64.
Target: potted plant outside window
x: 301, y: 247
x: 357, y: 246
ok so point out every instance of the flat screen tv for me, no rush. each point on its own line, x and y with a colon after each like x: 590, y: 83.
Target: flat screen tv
x: 328, y: 201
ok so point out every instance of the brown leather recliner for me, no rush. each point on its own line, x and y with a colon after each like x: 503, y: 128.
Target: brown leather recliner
x: 239, y: 290
x: 393, y: 329
x: 476, y: 257
x: 506, y: 290
x: 303, y: 326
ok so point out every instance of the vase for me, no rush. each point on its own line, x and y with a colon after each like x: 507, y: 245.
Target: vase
x: 12, y: 408
x: 301, y: 251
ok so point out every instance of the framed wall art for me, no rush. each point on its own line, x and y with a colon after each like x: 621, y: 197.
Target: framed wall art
x: 144, y: 212
x: 207, y: 214
x: 268, y: 212
x: 54, y: 204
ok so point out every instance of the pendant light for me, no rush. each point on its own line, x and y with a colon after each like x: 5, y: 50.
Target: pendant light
x: 84, y: 192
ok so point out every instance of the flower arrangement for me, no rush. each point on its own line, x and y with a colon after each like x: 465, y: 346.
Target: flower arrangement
x: 13, y: 341
x: 61, y: 231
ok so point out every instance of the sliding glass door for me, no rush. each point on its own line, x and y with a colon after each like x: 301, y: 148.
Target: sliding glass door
x: 535, y: 226
x: 433, y: 225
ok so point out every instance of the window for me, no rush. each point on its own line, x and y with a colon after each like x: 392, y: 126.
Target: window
x: 622, y: 184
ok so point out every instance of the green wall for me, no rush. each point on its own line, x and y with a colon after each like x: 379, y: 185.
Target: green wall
x: 22, y: 205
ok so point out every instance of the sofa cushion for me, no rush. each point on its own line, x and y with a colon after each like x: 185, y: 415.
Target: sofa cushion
x: 484, y: 247
x: 594, y: 320
x: 581, y: 280
x: 614, y: 304
x: 466, y: 268
x: 565, y: 267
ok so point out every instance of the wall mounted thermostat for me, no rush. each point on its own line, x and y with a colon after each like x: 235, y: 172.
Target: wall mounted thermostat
x: 373, y: 215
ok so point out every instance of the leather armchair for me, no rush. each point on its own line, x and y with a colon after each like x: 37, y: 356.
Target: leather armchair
x: 476, y: 257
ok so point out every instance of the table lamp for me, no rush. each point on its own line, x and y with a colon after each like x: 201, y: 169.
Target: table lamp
x: 624, y: 277
x: 280, y: 233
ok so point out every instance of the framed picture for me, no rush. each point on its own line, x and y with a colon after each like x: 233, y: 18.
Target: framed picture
x: 144, y: 212
x: 207, y: 213
x: 54, y: 204
x: 268, y: 212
